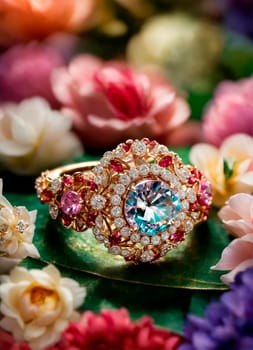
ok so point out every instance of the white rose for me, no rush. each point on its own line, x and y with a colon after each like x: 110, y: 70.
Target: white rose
x: 17, y: 226
x: 37, y: 305
x: 34, y: 137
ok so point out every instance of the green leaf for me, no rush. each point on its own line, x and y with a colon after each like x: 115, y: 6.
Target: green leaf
x: 228, y: 168
x: 186, y: 267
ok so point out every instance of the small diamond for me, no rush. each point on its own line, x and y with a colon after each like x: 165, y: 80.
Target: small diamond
x: 21, y: 226
x: 96, y: 231
x: 155, y: 169
x: 164, y: 236
x: 145, y: 240
x: 104, y: 161
x: 181, y: 194
x: 189, y: 225
x: 116, y: 211
x: 115, y: 200
x: 124, y: 179
x: 144, y: 169
x: 146, y: 256
x: 135, y: 237
x: 98, y: 179
x: 100, y: 238
x: 185, y: 205
x: 195, y: 215
x: 115, y: 250
x: 172, y: 229
x: 119, y: 189
x: 98, y: 169
x: 55, y: 185
x: 98, y: 202
x: 125, y: 253
x: 166, y: 175
x: 139, y: 148
x: 119, y: 222
x: 181, y: 216
x: 183, y: 174
x: 155, y: 240
x: 163, y: 149
x: 99, y: 221
x: 53, y: 211
x: 134, y: 173
x: 119, y: 152
x: 108, y: 155
x: 177, y: 223
x: 125, y: 231
x: 191, y: 195
x: 165, y: 249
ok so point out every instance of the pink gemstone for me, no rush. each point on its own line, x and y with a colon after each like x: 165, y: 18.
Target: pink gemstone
x: 67, y: 180
x: 146, y: 141
x: 71, y: 203
x: 117, y: 166
x: 177, y: 237
x: 205, y: 197
x: 165, y: 161
x: 91, y: 219
x: 93, y: 186
x: 115, y: 238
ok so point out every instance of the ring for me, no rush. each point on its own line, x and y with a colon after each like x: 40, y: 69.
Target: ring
x: 140, y: 199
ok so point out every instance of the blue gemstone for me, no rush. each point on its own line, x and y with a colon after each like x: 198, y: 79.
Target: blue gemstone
x: 150, y: 206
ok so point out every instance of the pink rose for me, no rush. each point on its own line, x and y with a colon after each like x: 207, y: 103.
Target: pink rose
x: 113, y: 329
x: 25, y: 72
x: 111, y: 102
x: 237, y: 214
x: 230, y: 111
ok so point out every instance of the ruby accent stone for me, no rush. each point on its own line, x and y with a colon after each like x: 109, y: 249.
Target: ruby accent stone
x: 67, y: 180
x: 71, y: 203
x: 205, y: 196
x: 165, y: 161
x: 177, y: 236
x: 46, y: 196
x: 91, y: 219
x: 126, y: 147
x: 92, y: 185
x: 79, y: 178
x: 116, y: 166
x: 115, y: 238
x: 66, y: 220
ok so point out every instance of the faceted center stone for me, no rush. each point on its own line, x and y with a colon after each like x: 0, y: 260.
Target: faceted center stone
x: 150, y: 206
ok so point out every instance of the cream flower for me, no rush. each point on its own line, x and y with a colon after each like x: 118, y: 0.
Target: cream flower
x: 229, y: 169
x: 236, y: 257
x: 17, y: 226
x: 34, y: 137
x: 237, y: 214
x: 37, y: 305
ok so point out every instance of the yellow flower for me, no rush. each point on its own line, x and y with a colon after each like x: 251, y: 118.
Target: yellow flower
x: 229, y: 169
x: 37, y: 305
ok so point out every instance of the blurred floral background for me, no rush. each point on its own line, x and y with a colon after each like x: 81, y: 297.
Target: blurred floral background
x: 78, y: 77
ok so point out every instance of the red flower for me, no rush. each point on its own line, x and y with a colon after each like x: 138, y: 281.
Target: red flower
x: 8, y: 343
x: 111, y: 102
x: 113, y: 330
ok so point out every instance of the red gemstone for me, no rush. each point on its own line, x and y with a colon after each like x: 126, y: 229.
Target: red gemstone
x: 46, y: 196
x: 115, y: 238
x: 67, y: 180
x: 146, y: 141
x: 91, y: 219
x: 165, y: 161
x: 117, y: 166
x: 92, y: 185
x: 177, y: 237
x: 79, y: 178
x: 66, y: 220
x: 126, y: 147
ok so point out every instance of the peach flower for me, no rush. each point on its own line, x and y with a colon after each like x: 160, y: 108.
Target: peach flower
x: 110, y: 102
x: 36, y: 19
x: 230, y: 111
x: 237, y: 256
x: 237, y: 214
x: 229, y: 168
